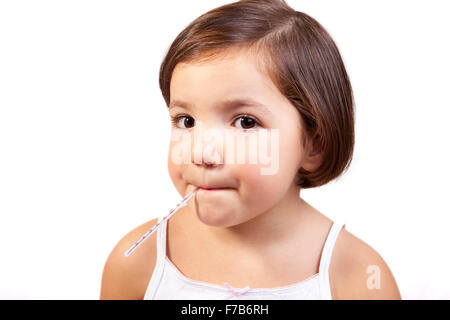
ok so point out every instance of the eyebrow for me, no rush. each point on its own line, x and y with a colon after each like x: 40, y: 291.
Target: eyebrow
x: 232, y: 104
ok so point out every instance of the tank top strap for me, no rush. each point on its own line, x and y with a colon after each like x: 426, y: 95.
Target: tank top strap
x: 161, y: 240
x: 157, y: 274
x: 325, y: 259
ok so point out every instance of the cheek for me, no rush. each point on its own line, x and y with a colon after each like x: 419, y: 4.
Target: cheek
x: 291, y: 153
x: 176, y: 168
x: 256, y: 186
x: 284, y: 163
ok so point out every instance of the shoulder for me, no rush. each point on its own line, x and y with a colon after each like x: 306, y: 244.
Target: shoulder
x: 357, y: 271
x: 128, y: 277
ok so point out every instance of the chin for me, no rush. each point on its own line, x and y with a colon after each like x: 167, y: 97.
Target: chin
x: 216, y: 218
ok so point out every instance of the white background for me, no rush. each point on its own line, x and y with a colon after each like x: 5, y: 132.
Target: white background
x: 84, y: 135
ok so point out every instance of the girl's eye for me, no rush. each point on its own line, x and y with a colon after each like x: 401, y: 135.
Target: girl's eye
x: 246, y: 122
x: 186, y: 122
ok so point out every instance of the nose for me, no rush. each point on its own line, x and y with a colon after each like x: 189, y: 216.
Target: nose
x: 207, y: 148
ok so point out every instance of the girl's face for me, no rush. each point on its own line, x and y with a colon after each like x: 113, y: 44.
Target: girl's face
x: 204, y: 110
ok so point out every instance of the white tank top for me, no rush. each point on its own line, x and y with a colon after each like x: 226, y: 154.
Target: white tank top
x: 168, y: 283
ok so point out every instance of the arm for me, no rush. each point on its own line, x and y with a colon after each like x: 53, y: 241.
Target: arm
x: 359, y: 272
x: 126, y: 278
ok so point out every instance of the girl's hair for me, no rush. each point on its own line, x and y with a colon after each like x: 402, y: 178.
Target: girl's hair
x: 301, y: 59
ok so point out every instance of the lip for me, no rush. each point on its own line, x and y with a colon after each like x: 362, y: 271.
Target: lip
x: 211, y: 188
x: 214, y: 189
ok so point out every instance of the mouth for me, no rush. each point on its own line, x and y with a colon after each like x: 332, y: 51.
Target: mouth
x: 212, y: 188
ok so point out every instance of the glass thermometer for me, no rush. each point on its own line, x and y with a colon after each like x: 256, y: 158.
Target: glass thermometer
x: 146, y: 235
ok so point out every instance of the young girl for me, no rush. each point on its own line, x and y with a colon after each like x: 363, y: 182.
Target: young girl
x: 247, y: 68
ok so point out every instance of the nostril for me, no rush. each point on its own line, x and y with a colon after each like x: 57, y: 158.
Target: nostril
x: 209, y: 164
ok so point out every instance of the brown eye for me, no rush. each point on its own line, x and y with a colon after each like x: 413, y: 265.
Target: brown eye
x: 183, y: 122
x: 246, y: 122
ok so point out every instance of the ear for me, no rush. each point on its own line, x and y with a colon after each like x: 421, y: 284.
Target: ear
x: 313, y: 156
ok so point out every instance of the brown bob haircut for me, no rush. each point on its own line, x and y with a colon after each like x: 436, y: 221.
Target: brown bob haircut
x: 301, y: 59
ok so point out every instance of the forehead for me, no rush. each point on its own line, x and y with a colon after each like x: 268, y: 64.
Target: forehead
x: 233, y: 76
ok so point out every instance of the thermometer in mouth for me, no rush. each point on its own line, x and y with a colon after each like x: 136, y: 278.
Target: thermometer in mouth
x: 146, y: 235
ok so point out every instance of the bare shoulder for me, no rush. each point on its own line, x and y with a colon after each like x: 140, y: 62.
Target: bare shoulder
x: 357, y: 271
x: 128, y: 277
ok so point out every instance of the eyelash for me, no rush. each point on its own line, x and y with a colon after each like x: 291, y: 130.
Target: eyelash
x: 175, y: 119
